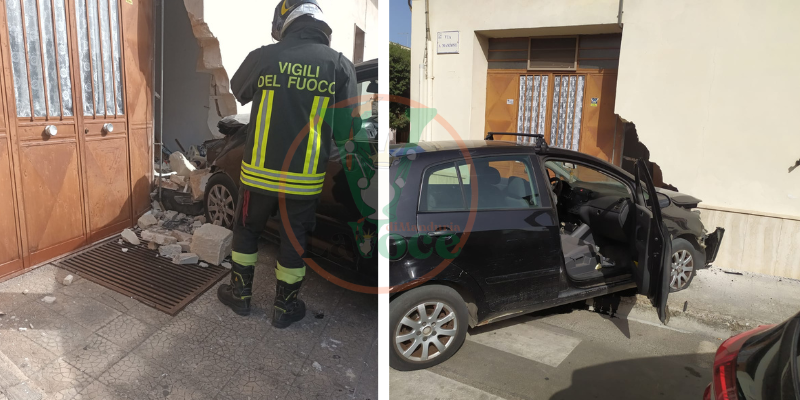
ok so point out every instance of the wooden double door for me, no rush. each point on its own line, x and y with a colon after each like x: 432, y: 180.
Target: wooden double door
x: 76, y: 124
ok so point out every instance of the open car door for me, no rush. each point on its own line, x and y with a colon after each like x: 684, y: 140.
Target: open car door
x: 652, y: 244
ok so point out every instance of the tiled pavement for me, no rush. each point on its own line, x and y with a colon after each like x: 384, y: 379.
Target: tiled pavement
x: 93, y: 343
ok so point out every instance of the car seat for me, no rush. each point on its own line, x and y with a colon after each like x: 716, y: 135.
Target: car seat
x: 489, y: 195
x: 518, y: 193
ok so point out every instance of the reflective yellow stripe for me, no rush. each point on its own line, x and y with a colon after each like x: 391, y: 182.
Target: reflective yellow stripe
x: 319, y: 128
x: 258, y: 134
x: 281, y: 187
x: 312, y: 135
x: 266, y: 126
x: 289, y: 275
x: 245, y: 260
x: 281, y: 175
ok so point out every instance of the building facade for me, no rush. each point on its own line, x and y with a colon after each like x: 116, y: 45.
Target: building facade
x: 684, y: 83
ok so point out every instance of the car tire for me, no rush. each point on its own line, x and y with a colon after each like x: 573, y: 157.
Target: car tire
x: 453, y: 316
x: 684, y: 256
x: 220, y: 200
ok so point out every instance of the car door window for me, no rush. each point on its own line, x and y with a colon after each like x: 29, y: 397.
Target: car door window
x: 441, y: 190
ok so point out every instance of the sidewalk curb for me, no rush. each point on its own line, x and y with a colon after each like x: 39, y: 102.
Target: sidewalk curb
x: 713, y: 320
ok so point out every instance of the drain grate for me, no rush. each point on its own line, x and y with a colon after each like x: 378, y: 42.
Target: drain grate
x: 141, y: 274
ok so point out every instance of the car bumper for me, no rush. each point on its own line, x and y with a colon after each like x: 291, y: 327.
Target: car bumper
x: 713, y: 241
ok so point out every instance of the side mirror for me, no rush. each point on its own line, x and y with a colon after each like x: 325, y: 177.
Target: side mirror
x: 663, y: 200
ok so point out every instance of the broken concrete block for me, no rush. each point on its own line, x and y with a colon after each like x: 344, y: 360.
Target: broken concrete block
x: 147, y: 220
x: 202, y: 264
x: 130, y: 237
x: 185, y: 258
x: 186, y: 246
x: 179, y: 164
x: 167, y: 184
x: 179, y: 180
x: 170, y: 250
x: 212, y: 243
x: 158, y: 238
x: 68, y: 280
x: 49, y: 299
x: 181, y: 236
x: 198, y: 180
x: 170, y: 215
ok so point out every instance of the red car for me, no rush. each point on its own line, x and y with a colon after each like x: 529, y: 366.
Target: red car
x: 760, y: 364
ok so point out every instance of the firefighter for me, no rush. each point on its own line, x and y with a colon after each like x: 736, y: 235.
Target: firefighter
x: 293, y: 85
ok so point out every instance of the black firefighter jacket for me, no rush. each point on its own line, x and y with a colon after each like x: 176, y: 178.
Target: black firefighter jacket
x: 298, y: 87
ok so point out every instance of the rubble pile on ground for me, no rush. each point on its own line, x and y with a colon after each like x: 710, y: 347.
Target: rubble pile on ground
x: 184, y: 173
x: 181, y: 238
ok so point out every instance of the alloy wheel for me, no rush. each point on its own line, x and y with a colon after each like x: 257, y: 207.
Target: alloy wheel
x: 682, y: 269
x: 426, y: 331
x: 221, y: 207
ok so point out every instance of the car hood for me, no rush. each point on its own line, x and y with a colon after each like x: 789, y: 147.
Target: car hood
x: 680, y: 199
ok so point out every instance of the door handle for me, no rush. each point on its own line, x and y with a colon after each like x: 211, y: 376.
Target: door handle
x: 51, y: 130
x: 108, y: 127
x: 441, y: 233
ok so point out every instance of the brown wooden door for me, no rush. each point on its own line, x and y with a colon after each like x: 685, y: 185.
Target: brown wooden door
x: 502, y: 92
x: 10, y: 245
x: 64, y: 85
x: 103, y: 127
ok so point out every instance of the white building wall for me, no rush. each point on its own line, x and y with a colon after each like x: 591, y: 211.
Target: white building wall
x: 244, y: 25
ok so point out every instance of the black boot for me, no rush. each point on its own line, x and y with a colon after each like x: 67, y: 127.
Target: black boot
x: 237, y: 294
x: 288, y: 308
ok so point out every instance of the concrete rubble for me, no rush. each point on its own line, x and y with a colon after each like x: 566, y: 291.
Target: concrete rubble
x: 158, y: 238
x: 170, y: 250
x: 147, y: 220
x: 68, y: 280
x: 212, y: 243
x: 49, y: 299
x: 185, y: 258
x: 180, y: 164
x: 130, y: 237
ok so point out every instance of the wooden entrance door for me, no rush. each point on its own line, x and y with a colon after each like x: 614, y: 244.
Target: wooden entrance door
x: 63, y: 71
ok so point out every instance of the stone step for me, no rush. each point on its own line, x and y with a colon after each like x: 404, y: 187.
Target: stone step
x: 14, y: 385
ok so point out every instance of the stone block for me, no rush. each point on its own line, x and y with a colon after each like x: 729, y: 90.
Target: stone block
x: 179, y: 164
x: 212, y: 243
x: 181, y: 236
x: 185, y: 258
x: 158, y: 238
x: 197, y: 181
x: 147, y: 220
x: 130, y: 237
x: 170, y: 250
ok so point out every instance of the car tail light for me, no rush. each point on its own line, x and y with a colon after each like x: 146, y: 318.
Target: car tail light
x: 724, y: 383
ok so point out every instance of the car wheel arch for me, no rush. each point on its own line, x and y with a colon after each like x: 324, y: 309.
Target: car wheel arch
x: 466, y: 295
x: 692, y: 239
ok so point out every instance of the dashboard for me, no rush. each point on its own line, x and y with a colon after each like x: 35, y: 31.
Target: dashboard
x: 603, y: 207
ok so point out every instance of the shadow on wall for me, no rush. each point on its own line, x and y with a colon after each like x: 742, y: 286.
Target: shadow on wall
x: 633, y: 149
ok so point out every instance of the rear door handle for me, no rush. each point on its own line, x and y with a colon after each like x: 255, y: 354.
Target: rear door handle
x: 441, y: 233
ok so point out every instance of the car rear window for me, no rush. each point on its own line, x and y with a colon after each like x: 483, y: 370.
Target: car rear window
x: 503, y: 182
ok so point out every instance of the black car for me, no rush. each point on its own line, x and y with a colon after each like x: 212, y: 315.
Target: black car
x: 486, y: 230
x: 344, y: 240
x: 692, y: 246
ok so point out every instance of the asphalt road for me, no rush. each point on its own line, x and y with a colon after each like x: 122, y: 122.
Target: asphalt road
x: 571, y: 353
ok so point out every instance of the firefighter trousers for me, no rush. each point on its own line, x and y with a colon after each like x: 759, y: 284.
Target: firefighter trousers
x: 253, y: 212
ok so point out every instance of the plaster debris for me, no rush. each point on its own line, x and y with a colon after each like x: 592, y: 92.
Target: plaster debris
x: 185, y: 258
x: 170, y: 215
x: 130, y: 237
x: 68, y: 280
x: 197, y: 224
x: 158, y: 238
x: 202, y: 264
x: 201, y: 218
x: 350, y: 374
x: 49, y: 299
x: 121, y: 241
x: 25, y: 291
x: 170, y: 251
x: 179, y: 164
x: 181, y: 236
x: 178, y: 180
x: 317, y: 366
x: 147, y: 220
x: 227, y: 265
x: 23, y: 329
x: 152, y: 245
x: 157, y: 206
x: 185, y: 246
x: 197, y: 181
x: 212, y: 243
x: 124, y: 250
x: 168, y: 184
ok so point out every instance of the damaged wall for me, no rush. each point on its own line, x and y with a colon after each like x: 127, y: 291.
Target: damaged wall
x: 712, y: 87
x: 186, y: 89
